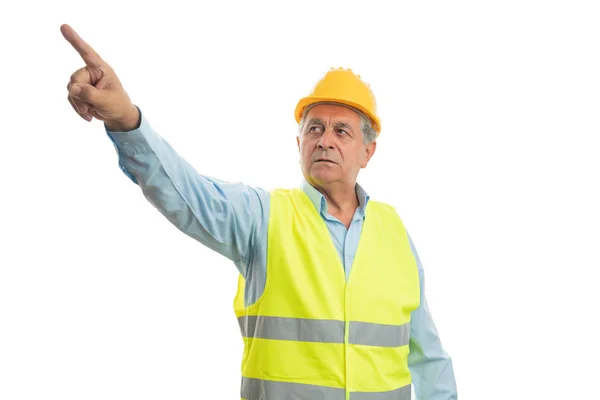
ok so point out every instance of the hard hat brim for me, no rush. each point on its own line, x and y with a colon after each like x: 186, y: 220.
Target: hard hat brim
x: 306, y: 101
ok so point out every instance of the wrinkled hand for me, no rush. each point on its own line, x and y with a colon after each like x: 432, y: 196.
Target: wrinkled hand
x: 95, y: 91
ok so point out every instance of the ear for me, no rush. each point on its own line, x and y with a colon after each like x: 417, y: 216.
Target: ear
x: 369, y: 151
x: 298, y: 141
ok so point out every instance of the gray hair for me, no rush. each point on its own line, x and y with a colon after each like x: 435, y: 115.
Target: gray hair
x: 366, y: 126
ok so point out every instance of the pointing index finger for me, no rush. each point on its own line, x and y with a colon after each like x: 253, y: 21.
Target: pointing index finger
x: 91, y: 58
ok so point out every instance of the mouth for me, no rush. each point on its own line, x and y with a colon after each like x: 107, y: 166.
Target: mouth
x: 324, y: 160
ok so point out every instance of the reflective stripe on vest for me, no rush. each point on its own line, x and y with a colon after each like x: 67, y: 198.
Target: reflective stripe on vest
x: 324, y: 331
x: 253, y: 389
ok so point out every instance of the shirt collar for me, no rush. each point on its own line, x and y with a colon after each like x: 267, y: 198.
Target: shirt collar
x: 320, y: 203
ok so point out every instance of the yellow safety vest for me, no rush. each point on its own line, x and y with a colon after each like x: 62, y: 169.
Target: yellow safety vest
x: 312, y: 335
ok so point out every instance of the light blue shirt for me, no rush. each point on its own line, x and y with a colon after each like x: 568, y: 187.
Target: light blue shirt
x: 232, y: 219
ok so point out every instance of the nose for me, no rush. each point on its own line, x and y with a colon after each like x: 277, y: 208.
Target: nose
x: 327, y: 139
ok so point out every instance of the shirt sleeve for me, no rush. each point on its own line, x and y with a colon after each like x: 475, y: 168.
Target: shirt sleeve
x: 223, y: 216
x: 430, y: 366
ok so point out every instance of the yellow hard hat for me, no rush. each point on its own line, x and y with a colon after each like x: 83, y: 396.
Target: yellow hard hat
x: 343, y: 86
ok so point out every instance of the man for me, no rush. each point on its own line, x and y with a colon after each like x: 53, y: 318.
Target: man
x: 323, y: 314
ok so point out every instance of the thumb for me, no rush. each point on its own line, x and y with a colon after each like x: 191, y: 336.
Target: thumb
x: 86, y: 93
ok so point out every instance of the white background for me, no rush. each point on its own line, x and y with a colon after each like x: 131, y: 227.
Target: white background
x: 489, y: 151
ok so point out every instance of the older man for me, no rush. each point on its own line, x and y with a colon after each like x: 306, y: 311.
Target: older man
x: 330, y: 296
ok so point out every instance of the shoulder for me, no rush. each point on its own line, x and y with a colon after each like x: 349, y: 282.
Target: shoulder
x: 381, y: 207
x: 286, y: 194
x: 385, y: 212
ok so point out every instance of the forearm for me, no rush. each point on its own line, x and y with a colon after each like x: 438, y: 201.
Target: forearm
x: 202, y: 207
x: 431, y: 367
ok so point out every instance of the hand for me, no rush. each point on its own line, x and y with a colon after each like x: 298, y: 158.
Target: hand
x: 95, y: 91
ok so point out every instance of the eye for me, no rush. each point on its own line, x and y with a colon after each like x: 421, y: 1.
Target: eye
x: 342, y: 132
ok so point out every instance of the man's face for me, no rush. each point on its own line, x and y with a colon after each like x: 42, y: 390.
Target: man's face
x: 331, y: 145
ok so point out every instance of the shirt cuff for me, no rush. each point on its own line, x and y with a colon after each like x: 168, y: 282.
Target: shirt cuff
x: 134, y: 142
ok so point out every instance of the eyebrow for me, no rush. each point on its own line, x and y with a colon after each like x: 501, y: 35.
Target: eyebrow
x: 342, y: 125
x: 337, y: 125
x: 315, y: 121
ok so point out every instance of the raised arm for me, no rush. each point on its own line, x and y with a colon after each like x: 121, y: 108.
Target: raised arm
x: 225, y: 217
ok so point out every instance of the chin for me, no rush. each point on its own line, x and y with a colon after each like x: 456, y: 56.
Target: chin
x: 323, y: 177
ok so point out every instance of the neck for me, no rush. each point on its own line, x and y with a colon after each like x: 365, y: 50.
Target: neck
x: 341, y: 199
